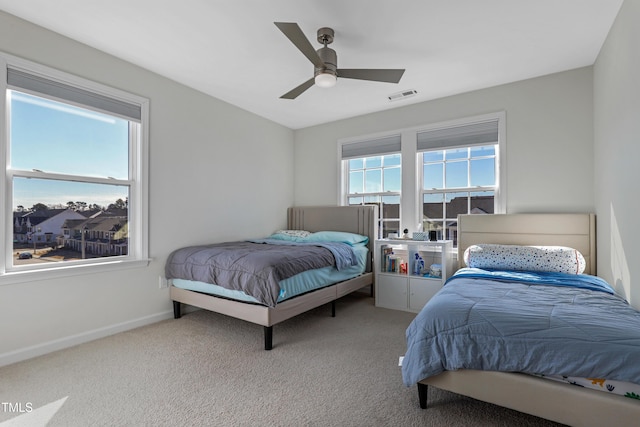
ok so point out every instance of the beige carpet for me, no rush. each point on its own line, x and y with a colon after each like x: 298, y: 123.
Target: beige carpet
x: 206, y: 369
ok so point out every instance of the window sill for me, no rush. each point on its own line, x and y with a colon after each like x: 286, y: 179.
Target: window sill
x: 13, y: 277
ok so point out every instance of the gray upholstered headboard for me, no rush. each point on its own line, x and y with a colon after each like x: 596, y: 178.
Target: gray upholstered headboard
x: 577, y: 231
x: 353, y: 219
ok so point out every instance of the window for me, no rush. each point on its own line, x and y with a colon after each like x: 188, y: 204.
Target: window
x: 439, y: 171
x: 458, y: 167
x: 373, y: 176
x: 75, y: 158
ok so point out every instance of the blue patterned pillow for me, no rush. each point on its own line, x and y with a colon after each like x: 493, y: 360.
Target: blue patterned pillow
x: 559, y: 259
x: 290, y: 235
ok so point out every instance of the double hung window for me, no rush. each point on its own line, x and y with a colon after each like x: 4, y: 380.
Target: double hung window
x: 458, y: 167
x: 75, y: 155
x: 374, y: 174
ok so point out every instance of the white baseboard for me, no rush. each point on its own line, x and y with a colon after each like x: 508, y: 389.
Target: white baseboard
x: 70, y: 341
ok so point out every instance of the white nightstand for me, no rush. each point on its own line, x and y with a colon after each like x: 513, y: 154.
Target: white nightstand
x: 409, y: 289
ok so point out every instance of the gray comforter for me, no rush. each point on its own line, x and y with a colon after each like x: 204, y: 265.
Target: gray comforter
x: 533, y: 326
x: 255, y: 267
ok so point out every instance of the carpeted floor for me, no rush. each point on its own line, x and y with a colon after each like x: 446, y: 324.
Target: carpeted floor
x: 206, y: 369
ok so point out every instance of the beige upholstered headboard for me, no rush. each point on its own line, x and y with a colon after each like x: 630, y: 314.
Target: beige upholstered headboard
x: 577, y: 231
x: 353, y: 219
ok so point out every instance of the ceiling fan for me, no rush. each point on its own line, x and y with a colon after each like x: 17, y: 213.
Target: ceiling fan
x: 325, y: 62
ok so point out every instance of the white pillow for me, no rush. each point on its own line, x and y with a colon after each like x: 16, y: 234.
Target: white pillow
x: 559, y: 259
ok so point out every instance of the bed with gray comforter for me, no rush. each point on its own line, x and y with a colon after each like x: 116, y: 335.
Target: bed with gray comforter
x: 255, y: 267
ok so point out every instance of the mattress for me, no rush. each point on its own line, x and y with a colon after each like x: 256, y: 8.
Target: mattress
x: 293, y: 286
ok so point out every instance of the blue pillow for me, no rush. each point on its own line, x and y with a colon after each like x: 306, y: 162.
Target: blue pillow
x: 336, y: 236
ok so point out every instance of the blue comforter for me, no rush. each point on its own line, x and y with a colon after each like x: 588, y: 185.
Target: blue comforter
x: 525, y: 322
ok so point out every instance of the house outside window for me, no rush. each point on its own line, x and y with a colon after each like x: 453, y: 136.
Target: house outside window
x: 75, y: 159
x: 442, y: 170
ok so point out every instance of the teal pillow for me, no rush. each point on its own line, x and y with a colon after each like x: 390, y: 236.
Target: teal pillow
x: 337, y: 236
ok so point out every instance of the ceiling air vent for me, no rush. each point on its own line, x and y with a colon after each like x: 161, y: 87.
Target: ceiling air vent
x: 402, y: 95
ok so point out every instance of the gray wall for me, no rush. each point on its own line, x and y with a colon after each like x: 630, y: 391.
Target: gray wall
x: 549, y: 155
x: 216, y: 173
x: 617, y: 153
x: 549, y: 143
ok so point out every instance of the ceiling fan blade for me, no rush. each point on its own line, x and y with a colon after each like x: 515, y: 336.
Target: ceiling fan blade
x: 297, y: 37
x: 293, y: 93
x: 378, y: 75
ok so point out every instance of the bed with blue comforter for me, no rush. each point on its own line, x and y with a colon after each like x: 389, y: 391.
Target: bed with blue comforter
x: 538, y: 323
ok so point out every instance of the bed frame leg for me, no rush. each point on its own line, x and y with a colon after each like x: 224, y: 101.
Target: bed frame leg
x: 268, y: 337
x: 422, y: 395
x: 176, y: 310
x: 333, y: 308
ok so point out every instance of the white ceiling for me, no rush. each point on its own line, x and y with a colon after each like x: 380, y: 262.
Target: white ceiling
x: 233, y: 51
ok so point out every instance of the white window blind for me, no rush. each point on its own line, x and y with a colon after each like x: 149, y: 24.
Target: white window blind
x: 480, y: 133
x: 18, y: 79
x: 372, y: 147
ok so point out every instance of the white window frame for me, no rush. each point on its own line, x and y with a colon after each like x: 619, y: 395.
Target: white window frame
x: 469, y: 133
x: 138, y: 211
x: 343, y: 171
x: 411, y: 196
x: 500, y: 156
x: 462, y: 190
x: 379, y: 194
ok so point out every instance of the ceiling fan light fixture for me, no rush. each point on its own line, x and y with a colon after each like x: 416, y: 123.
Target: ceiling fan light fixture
x: 325, y: 80
x: 325, y: 62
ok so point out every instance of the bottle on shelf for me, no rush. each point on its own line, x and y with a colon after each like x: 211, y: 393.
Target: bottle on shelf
x: 418, y: 265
